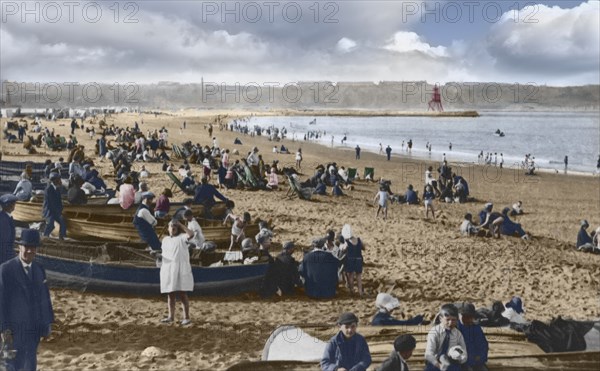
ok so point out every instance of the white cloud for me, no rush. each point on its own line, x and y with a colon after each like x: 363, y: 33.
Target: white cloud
x: 345, y: 45
x: 409, y: 41
x: 549, y: 39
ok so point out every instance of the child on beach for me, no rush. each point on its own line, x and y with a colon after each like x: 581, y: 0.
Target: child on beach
x: 237, y: 228
x: 383, y: 197
x: 299, y: 159
x: 428, y: 197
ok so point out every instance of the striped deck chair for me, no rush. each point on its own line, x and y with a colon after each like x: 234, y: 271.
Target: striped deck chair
x: 176, y: 183
x: 351, y: 173
x: 369, y: 171
x: 303, y: 193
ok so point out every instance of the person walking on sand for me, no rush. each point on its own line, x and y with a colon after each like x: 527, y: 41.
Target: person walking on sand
x: 381, y: 149
x: 357, y: 149
x: 299, y: 159
x: 388, y: 151
x: 383, y: 197
x: 176, y: 277
x: 428, y: 197
x: 566, y: 163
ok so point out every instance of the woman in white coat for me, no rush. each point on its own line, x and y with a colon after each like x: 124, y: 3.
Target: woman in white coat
x: 176, y: 271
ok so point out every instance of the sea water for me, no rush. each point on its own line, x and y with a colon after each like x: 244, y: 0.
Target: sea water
x: 547, y: 136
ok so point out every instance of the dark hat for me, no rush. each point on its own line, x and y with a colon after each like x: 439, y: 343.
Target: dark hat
x: 584, y: 223
x: 516, y: 304
x: 318, y: 242
x: 289, y: 245
x: 54, y: 175
x: 405, y: 342
x: 468, y: 309
x: 7, y: 199
x: 505, y: 210
x: 147, y: 195
x: 449, y: 310
x: 347, y: 318
x: 29, y: 237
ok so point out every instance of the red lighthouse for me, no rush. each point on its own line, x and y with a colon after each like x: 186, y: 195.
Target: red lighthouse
x: 435, y: 104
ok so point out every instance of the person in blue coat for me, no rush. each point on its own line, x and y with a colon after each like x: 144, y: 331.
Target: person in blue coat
x: 584, y: 241
x: 25, y: 306
x: 52, y: 207
x: 320, y: 271
x: 347, y: 350
x: 477, y: 344
x: 205, y: 195
x: 7, y: 227
x: 386, y: 304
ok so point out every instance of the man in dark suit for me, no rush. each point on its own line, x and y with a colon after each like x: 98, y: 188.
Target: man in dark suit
x: 53, y: 207
x: 25, y: 305
x: 320, y: 271
x: 7, y: 227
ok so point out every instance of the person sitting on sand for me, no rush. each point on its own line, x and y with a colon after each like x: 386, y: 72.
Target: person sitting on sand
x: 320, y: 271
x: 485, y: 216
x: 584, y: 241
x: 347, y: 350
x: 283, y: 150
x: 163, y: 205
x: 237, y: 227
x: 477, y: 345
x: 441, y: 338
x: 176, y: 277
x: 282, y: 276
x: 510, y: 228
x: 386, y: 304
x: 515, y: 311
x: 411, y: 196
x: 272, y: 179
x: 467, y: 228
x: 517, y: 209
x: 321, y: 188
x: 404, y: 345
x: 337, y: 190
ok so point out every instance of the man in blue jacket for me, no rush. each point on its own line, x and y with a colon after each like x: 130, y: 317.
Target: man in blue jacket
x: 347, y: 350
x: 25, y: 306
x: 205, y: 195
x: 477, y: 344
x: 52, y: 207
x: 7, y: 227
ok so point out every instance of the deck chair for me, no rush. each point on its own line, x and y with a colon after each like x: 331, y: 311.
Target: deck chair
x: 351, y: 173
x: 369, y: 171
x: 50, y: 144
x: 176, y: 183
x: 303, y: 193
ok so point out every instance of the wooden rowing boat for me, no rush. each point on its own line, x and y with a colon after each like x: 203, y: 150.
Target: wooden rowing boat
x: 31, y: 211
x: 115, y: 268
x: 294, y: 348
x: 88, y: 226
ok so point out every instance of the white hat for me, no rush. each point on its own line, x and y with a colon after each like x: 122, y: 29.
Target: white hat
x: 386, y: 301
x: 347, y: 231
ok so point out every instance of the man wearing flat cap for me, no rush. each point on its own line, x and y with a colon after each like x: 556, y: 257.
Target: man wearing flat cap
x: 404, y: 345
x: 7, y: 227
x: 441, y: 338
x: 25, y: 306
x: 52, y: 207
x: 347, y: 350
x: 477, y: 345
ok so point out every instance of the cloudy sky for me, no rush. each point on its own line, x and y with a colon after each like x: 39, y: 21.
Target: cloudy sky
x: 544, y: 42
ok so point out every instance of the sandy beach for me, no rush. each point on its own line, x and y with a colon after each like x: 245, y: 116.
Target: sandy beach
x: 425, y: 263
